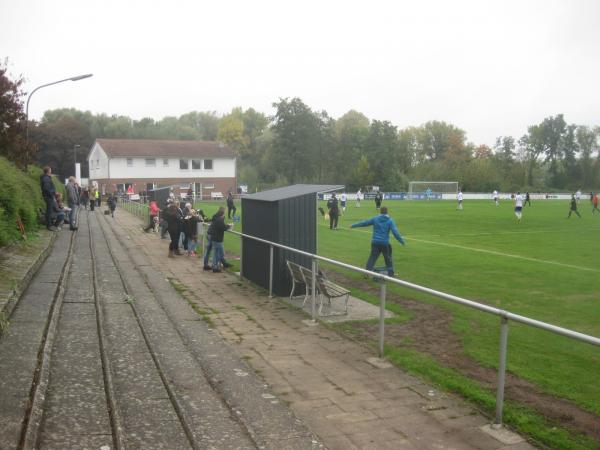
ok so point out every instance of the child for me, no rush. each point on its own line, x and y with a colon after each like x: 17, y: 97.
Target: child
x: 112, y: 204
x: 190, y: 224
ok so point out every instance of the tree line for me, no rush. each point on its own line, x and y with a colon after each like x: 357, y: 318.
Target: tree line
x: 301, y: 145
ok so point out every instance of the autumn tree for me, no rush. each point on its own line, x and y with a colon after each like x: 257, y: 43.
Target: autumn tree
x: 12, y: 120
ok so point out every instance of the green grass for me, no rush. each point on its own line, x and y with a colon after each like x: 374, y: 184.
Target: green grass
x: 545, y: 267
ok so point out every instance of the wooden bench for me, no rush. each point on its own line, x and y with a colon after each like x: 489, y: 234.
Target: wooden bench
x: 298, y: 278
x: 330, y: 290
x: 324, y: 288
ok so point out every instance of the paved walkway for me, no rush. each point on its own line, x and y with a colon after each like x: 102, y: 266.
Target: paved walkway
x: 325, y: 379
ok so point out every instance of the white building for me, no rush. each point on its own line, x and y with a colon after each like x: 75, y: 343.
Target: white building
x: 204, y: 167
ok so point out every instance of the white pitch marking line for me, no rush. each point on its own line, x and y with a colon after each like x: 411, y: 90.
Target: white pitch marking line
x: 507, y: 255
x: 493, y: 252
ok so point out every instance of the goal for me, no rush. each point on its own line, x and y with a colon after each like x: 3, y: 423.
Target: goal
x: 426, y: 190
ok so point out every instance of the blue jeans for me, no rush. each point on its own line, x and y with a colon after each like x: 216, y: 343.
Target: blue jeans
x: 73, y: 215
x: 192, y: 244
x: 49, y: 204
x: 208, y: 249
x: 376, y: 250
x: 218, y: 255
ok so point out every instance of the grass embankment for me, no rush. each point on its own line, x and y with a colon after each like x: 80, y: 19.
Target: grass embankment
x: 20, y: 198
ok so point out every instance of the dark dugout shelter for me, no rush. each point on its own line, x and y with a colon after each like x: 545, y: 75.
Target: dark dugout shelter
x: 287, y: 216
x: 160, y: 196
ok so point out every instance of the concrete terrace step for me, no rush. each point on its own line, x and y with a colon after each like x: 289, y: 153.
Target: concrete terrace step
x: 327, y: 381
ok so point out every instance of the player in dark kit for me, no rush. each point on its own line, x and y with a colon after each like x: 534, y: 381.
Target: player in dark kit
x: 573, y: 208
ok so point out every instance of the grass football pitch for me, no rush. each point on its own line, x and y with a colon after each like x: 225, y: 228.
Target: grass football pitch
x: 547, y: 267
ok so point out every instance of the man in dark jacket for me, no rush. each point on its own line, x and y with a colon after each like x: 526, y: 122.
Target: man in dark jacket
x: 217, y: 233
x: 380, y: 242
x: 48, y: 193
x: 174, y: 221
x: 230, y: 206
x: 378, y: 200
x: 334, y: 212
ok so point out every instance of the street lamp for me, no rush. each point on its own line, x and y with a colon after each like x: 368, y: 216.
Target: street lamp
x: 75, y: 147
x: 77, y: 78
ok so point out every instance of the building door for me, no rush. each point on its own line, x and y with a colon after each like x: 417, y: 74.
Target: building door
x: 198, y: 190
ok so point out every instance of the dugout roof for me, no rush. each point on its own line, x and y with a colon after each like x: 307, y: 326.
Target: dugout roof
x: 296, y: 190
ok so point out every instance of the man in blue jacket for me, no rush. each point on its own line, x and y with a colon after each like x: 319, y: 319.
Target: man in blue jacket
x: 380, y: 243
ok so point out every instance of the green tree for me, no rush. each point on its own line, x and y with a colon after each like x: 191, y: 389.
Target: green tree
x: 296, y: 140
x: 587, y: 141
x: 350, y: 135
x: 231, y: 132
x: 384, y: 154
x: 363, y: 173
x: 56, y: 142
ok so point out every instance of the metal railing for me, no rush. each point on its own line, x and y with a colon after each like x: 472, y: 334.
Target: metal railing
x: 505, y: 316
x: 139, y: 210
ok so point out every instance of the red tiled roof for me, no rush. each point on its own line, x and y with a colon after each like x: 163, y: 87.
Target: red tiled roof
x: 149, y: 148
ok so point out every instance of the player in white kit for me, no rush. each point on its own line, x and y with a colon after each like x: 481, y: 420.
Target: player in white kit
x: 518, y: 206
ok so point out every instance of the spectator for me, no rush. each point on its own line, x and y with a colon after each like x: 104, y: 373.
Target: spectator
x: 153, y: 215
x: 92, y: 196
x: 48, y: 193
x: 59, y: 211
x: 190, y: 224
x: 85, y: 198
x: 72, y: 202
x: 112, y: 204
x: 218, y: 227
x: 209, y: 245
x: 173, y: 219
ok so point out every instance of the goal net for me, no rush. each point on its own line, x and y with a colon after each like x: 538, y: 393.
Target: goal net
x: 426, y: 190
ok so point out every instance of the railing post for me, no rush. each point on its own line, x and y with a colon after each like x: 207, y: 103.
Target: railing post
x: 203, y: 240
x: 313, y: 290
x: 382, y: 292
x: 270, y: 271
x: 501, y: 372
x: 241, y: 257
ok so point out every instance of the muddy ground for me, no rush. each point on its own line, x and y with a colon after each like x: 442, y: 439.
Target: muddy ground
x: 429, y: 332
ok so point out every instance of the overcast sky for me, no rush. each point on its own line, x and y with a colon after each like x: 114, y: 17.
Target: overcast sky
x: 489, y: 67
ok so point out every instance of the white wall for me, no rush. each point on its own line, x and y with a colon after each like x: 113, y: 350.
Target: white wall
x: 98, y: 163
x: 222, y: 168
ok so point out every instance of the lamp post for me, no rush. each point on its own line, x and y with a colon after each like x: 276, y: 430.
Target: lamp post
x: 77, y: 78
x: 75, y: 147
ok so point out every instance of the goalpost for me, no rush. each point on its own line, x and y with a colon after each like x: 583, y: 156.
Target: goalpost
x: 425, y: 190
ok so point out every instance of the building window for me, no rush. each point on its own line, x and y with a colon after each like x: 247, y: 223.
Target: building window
x: 208, y: 186
x: 97, y: 163
x: 129, y: 162
x: 150, y: 162
x: 183, y: 164
x: 208, y: 164
x: 196, y: 164
x: 166, y: 162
